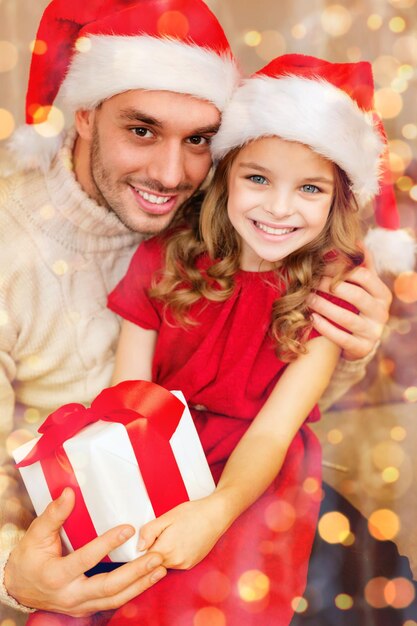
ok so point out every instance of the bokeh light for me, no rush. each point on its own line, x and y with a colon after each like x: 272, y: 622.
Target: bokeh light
x: 409, y: 131
x: 343, y: 601
x: 60, y: 267
x: 335, y: 436
x: 410, y: 394
x: 374, y: 592
x: 405, y: 287
x: 398, y: 433
x: 280, y: 516
x: 405, y: 49
x: 83, y: 44
x: 49, y: 121
x: 397, y: 24
x: 299, y: 31
x: 387, y: 453
x: 214, y: 586
x: 252, y: 38
x: 384, y: 524
x: 334, y: 527
x: 173, y: 23
x: 209, y: 616
x: 39, y: 47
x: 336, y: 20
x: 8, y: 56
x: 399, y: 593
x: 388, y: 103
x: 390, y: 474
x: 374, y: 21
x: 272, y: 44
x: 299, y: 604
x: 7, y: 124
x: 253, y: 586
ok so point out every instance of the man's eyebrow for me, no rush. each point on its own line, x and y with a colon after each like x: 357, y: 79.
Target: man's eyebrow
x: 134, y: 115
x: 206, y: 130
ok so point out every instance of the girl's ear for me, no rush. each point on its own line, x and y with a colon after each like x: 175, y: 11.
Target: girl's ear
x: 84, y: 123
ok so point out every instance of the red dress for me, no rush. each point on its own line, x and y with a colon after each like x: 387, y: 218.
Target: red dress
x: 226, y: 367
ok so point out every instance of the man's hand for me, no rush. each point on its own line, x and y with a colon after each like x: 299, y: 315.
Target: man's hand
x: 363, y: 289
x: 186, y: 534
x: 38, y: 576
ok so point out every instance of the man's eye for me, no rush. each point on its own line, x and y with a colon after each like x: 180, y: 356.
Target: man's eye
x: 139, y: 131
x: 198, y: 140
x: 310, y: 189
x: 258, y: 179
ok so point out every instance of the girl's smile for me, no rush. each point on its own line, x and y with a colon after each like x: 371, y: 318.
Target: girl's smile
x: 280, y: 195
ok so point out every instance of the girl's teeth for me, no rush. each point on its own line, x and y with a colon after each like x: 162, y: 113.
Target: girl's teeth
x: 150, y: 197
x: 274, y: 231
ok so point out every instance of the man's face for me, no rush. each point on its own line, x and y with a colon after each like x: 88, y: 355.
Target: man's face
x: 148, y: 151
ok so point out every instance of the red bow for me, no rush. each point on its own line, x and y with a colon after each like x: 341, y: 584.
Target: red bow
x: 150, y: 414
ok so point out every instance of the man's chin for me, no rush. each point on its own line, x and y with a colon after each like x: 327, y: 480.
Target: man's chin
x: 148, y: 225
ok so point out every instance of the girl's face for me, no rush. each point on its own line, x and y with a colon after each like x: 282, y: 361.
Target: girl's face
x: 279, y: 197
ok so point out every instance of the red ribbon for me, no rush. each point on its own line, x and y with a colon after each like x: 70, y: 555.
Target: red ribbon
x: 150, y: 414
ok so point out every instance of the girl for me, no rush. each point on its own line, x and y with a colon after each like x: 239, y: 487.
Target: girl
x: 218, y: 310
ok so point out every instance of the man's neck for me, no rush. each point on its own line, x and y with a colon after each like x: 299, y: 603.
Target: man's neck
x: 81, y: 163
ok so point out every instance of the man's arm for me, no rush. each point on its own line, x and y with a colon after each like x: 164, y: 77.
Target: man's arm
x: 38, y: 576
x: 364, y: 290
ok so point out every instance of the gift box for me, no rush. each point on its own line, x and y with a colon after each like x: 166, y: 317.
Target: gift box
x: 130, y: 457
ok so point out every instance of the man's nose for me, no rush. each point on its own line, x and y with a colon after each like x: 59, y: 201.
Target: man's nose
x: 167, y: 165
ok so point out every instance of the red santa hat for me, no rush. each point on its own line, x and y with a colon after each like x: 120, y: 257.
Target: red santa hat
x: 329, y: 107
x: 96, y: 49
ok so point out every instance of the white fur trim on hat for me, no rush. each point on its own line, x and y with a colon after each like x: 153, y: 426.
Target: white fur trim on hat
x: 394, y: 251
x: 310, y: 111
x: 115, y: 64
x: 31, y: 150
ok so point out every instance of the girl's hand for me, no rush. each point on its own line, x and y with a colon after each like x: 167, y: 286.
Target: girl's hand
x: 186, y: 534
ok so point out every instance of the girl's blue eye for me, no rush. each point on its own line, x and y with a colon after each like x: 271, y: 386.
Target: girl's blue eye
x: 258, y: 179
x: 310, y: 189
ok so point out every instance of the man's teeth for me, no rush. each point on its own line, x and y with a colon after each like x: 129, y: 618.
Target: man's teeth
x: 273, y: 231
x: 150, y: 197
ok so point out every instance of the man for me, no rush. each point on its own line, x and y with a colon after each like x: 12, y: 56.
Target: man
x: 146, y: 102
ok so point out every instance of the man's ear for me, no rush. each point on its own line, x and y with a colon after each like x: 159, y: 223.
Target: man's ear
x: 84, y: 123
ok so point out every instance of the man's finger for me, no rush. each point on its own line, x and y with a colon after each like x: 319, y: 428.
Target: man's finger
x: 355, y: 295
x: 356, y: 348
x: 93, y: 552
x: 50, y: 521
x: 138, y: 586
x: 113, y: 583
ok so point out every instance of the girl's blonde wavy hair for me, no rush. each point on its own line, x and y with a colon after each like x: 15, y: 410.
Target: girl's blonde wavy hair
x: 181, y: 283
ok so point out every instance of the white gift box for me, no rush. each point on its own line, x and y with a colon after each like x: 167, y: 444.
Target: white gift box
x: 109, y: 477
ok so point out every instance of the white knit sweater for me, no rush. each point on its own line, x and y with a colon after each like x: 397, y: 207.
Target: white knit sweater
x: 60, y: 255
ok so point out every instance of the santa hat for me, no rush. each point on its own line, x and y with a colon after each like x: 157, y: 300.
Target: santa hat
x: 95, y: 49
x: 329, y: 107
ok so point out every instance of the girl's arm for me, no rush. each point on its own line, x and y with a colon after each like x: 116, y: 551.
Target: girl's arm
x: 187, y: 533
x: 134, y: 353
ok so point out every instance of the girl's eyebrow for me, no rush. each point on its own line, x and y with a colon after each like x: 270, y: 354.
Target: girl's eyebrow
x: 254, y: 166
x: 319, y: 179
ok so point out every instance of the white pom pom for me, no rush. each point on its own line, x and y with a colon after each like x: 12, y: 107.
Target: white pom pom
x: 394, y: 251
x: 31, y: 151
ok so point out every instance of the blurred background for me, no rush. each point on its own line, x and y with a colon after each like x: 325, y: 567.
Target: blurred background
x: 369, y: 437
